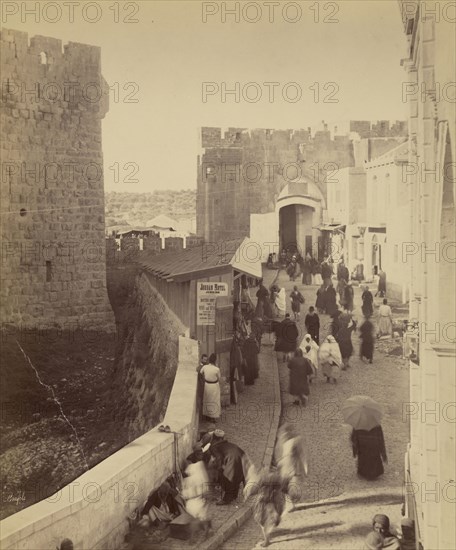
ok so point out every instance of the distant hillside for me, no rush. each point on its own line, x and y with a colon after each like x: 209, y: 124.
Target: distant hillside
x: 138, y: 208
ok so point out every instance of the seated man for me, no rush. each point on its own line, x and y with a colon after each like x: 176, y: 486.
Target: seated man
x: 381, y: 525
x: 163, y: 504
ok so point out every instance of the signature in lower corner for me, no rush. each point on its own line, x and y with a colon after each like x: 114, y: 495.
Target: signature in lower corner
x: 16, y: 498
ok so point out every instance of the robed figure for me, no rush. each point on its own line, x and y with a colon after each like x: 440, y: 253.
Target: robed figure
x: 369, y: 448
x: 250, y: 352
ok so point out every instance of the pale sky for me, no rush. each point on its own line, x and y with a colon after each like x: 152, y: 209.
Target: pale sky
x: 170, y: 52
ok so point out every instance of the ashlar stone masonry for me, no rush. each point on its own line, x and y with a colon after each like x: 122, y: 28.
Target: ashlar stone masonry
x: 53, y: 263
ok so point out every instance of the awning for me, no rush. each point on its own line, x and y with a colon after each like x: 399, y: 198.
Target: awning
x: 137, y: 229
x: 377, y: 229
x: 247, y: 259
x: 331, y: 227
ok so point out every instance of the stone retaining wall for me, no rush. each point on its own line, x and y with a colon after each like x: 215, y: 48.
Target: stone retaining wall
x: 150, y: 358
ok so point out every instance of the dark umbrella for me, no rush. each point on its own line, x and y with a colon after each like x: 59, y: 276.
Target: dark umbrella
x: 362, y: 412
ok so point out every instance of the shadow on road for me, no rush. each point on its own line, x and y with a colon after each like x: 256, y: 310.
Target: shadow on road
x: 386, y: 499
x: 302, y: 531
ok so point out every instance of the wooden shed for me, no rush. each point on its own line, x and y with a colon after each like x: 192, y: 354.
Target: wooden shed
x: 180, y: 279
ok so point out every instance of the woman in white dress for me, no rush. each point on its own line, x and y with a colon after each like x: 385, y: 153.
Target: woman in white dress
x: 211, y: 399
x: 281, y: 302
x: 385, y: 322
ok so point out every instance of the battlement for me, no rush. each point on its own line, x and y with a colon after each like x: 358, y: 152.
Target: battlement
x: 240, y: 137
x: 16, y: 46
x: 382, y: 128
x: 44, y: 79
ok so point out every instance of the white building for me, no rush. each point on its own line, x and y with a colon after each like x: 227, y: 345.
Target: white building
x: 347, y: 210
x: 388, y: 212
x: 429, y: 85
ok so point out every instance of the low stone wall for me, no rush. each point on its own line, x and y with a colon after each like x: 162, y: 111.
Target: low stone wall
x: 92, y: 510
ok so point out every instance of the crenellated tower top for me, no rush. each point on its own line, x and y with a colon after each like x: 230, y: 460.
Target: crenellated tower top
x: 42, y: 71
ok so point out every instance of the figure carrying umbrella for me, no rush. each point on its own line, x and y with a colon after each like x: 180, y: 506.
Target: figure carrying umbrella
x: 368, y: 443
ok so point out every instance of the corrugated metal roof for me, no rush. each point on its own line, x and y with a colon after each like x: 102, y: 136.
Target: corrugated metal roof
x: 187, y: 264
x: 201, y: 258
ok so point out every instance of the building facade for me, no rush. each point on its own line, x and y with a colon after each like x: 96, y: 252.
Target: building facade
x: 429, y: 90
x: 347, y: 208
x: 53, y: 268
x: 388, y: 212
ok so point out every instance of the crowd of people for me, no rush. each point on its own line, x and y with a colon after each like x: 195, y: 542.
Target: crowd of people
x: 337, y: 348
x: 217, y: 462
x: 314, y: 272
x: 332, y: 357
x: 307, y: 359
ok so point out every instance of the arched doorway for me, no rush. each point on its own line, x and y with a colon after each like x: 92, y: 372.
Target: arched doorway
x: 299, y: 212
x: 295, y: 228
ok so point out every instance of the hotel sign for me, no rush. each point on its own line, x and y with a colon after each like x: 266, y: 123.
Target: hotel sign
x: 206, y: 295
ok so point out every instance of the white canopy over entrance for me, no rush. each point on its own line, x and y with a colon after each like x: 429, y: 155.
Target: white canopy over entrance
x: 300, y: 191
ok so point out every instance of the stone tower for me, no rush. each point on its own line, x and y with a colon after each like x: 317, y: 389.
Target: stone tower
x: 53, y: 271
